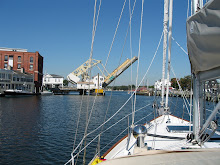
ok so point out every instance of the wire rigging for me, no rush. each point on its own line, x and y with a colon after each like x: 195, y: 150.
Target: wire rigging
x: 115, y: 33
x: 139, y: 51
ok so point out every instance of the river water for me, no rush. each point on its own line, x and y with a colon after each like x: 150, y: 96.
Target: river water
x: 41, y: 129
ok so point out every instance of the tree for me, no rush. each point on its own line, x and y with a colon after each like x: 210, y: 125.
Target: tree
x: 65, y: 82
x: 186, y: 82
x: 174, y: 83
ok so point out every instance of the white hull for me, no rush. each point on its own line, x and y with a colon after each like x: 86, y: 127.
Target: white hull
x: 46, y: 93
x: 164, y: 134
x: 11, y: 92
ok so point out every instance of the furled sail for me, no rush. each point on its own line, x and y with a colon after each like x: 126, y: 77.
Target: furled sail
x: 203, y: 38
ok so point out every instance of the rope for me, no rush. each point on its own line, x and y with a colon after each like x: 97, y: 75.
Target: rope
x: 115, y: 32
x: 120, y: 60
x: 180, y: 46
x: 184, y: 96
x: 126, y: 101
x: 128, y: 98
x: 139, y: 51
x: 131, y: 50
x: 143, y: 118
x: 187, y: 10
x: 101, y: 133
x: 77, y: 125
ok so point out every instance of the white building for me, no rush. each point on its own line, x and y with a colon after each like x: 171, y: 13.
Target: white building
x: 52, y: 81
x: 158, y: 84
x: 95, y: 83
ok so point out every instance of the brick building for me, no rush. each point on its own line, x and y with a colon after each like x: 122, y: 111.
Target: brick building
x: 21, y: 60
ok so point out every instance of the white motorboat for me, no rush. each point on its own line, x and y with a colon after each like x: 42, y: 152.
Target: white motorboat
x: 46, y: 93
x: 13, y: 92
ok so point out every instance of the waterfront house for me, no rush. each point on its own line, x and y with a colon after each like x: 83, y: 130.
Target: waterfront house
x: 52, y: 81
x: 158, y: 84
x: 10, y: 79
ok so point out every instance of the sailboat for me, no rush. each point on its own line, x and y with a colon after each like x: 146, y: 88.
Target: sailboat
x: 167, y: 139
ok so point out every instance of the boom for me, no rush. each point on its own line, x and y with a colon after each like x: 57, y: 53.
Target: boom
x: 112, y: 76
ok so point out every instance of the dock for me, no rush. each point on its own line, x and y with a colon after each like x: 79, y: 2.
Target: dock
x: 64, y: 90
x: 177, y: 93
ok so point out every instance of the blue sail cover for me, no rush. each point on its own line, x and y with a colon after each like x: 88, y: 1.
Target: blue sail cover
x: 203, y: 38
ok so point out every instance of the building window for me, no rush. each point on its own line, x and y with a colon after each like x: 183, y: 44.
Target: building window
x: 19, y: 66
x: 31, y: 67
x: 5, y: 65
x: 6, y: 57
x: 31, y: 59
x: 19, y: 58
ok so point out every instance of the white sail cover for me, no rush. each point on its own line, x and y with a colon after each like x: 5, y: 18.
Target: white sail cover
x: 203, y: 38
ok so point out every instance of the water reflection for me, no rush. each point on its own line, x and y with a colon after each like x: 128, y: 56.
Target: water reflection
x: 41, y: 129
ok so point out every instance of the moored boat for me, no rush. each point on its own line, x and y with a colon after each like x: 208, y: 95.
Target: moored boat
x: 13, y: 92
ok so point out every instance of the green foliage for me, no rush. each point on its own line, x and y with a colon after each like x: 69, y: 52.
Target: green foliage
x: 152, y: 86
x: 122, y: 87
x: 185, y: 82
x: 65, y: 82
x: 174, y: 83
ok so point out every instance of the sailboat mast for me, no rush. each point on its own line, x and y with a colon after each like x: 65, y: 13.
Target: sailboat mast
x: 165, y: 21
x: 196, y: 5
x: 197, y: 88
x: 169, y: 50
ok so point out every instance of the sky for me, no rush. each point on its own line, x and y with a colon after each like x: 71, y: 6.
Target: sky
x: 61, y: 30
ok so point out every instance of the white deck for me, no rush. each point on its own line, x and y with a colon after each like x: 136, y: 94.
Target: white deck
x: 165, y: 139
x: 201, y: 156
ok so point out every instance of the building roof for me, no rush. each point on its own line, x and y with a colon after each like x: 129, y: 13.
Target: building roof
x: 53, y: 75
x: 13, y: 49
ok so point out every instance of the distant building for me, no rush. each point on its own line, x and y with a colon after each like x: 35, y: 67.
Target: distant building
x: 95, y: 83
x: 52, y: 81
x: 23, y: 61
x: 158, y: 84
x: 10, y: 79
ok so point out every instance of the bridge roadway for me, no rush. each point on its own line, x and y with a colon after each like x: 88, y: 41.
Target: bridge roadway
x: 64, y: 90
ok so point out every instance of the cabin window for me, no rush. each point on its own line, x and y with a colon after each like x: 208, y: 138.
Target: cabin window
x: 19, y: 58
x: 182, y: 129
x: 31, y: 67
x: 19, y: 66
x: 31, y: 59
x: 6, y: 57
